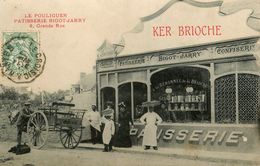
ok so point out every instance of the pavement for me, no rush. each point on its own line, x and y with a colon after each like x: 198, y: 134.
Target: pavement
x: 211, y: 156
x: 135, y: 155
x: 55, y: 154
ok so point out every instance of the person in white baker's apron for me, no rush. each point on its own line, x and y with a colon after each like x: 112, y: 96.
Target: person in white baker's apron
x: 95, y: 122
x: 108, y: 132
x: 151, y: 120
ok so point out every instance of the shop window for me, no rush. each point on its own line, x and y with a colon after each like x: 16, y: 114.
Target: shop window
x: 225, y: 99
x: 248, y: 97
x: 139, y: 92
x: 140, y: 96
x: 246, y: 101
x: 124, y: 95
x: 184, y: 93
x: 107, y: 95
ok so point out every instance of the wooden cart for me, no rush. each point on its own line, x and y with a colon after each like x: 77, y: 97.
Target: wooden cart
x: 59, y: 117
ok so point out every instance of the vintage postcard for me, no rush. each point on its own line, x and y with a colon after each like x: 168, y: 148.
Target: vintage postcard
x: 129, y: 83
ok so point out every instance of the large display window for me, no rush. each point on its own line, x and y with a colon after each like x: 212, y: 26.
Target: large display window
x: 184, y: 93
x: 140, y: 96
x: 124, y: 95
x: 237, y: 92
x: 107, y: 95
x: 133, y: 94
x: 237, y: 98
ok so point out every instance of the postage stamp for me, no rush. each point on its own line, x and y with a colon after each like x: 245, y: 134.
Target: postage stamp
x: 22, y: 60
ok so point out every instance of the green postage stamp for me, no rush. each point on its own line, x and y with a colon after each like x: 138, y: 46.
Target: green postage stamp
x: 22, y: 60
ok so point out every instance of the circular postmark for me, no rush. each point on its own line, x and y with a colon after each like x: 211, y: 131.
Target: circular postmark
x: 22, y: 60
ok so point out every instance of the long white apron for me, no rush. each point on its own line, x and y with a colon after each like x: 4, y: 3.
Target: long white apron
x: 150, y: 135
x: 150, y: 118
x: 108, y: 131
x: 95, y: 120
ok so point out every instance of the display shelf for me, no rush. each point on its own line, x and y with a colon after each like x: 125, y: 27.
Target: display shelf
x: 187, y: 102
x: 187, y: 110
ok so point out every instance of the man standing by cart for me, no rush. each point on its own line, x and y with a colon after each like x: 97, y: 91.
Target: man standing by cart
x: 22, y: 121
x: 151, y: 120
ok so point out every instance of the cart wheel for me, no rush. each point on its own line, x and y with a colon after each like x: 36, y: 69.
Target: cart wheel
x: 37, y: 130
x: 70, y: 137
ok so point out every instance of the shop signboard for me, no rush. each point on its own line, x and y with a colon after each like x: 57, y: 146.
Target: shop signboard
x: 214, y: 137
x: 179, y: 56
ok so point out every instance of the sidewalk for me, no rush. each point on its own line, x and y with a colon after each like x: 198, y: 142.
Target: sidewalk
x: 213, y: 156
x: 227, y: 158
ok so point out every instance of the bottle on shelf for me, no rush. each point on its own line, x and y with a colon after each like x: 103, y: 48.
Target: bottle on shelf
x: 174, y: 98
x: 202, y: 96
x: 192, y: 106
x: 180, y: 98
x: 188, y: 98
x: 193, y: 98
x: 182, y: 107
x: 187, y: 106
x: 176, y: 106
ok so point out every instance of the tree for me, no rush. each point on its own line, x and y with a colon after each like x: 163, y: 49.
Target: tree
x: 10, y: 94
x: 24, y: 97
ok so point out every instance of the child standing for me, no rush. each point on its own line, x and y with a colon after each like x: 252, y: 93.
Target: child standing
x: 108, y: 132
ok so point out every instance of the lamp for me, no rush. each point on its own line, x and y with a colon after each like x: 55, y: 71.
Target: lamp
x: 189, y: 89
x: 168, y: 90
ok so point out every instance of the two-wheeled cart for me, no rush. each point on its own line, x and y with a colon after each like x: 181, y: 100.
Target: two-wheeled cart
x: 58, y: 117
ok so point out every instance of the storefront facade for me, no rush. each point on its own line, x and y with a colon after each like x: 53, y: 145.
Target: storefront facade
x: 209, y: 94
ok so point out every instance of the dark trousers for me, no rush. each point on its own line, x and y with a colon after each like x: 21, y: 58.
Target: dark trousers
x: 94, y: 135
x: 109, y: 147
x: 19, y: 136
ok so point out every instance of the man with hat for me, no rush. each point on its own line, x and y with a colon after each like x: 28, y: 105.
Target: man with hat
x: 95, y: 122
x: 22, y: 121
x: 151, y: 120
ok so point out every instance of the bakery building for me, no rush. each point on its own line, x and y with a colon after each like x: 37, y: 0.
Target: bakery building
x: 209, y: 93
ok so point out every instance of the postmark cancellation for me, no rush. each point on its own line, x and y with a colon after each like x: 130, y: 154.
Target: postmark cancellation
x: 22, y: 61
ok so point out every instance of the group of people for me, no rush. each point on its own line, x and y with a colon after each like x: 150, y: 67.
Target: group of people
x: 104, y: 126
x: 121, y: 136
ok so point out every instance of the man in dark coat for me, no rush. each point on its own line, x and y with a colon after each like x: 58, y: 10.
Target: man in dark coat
x: 22, y: 121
